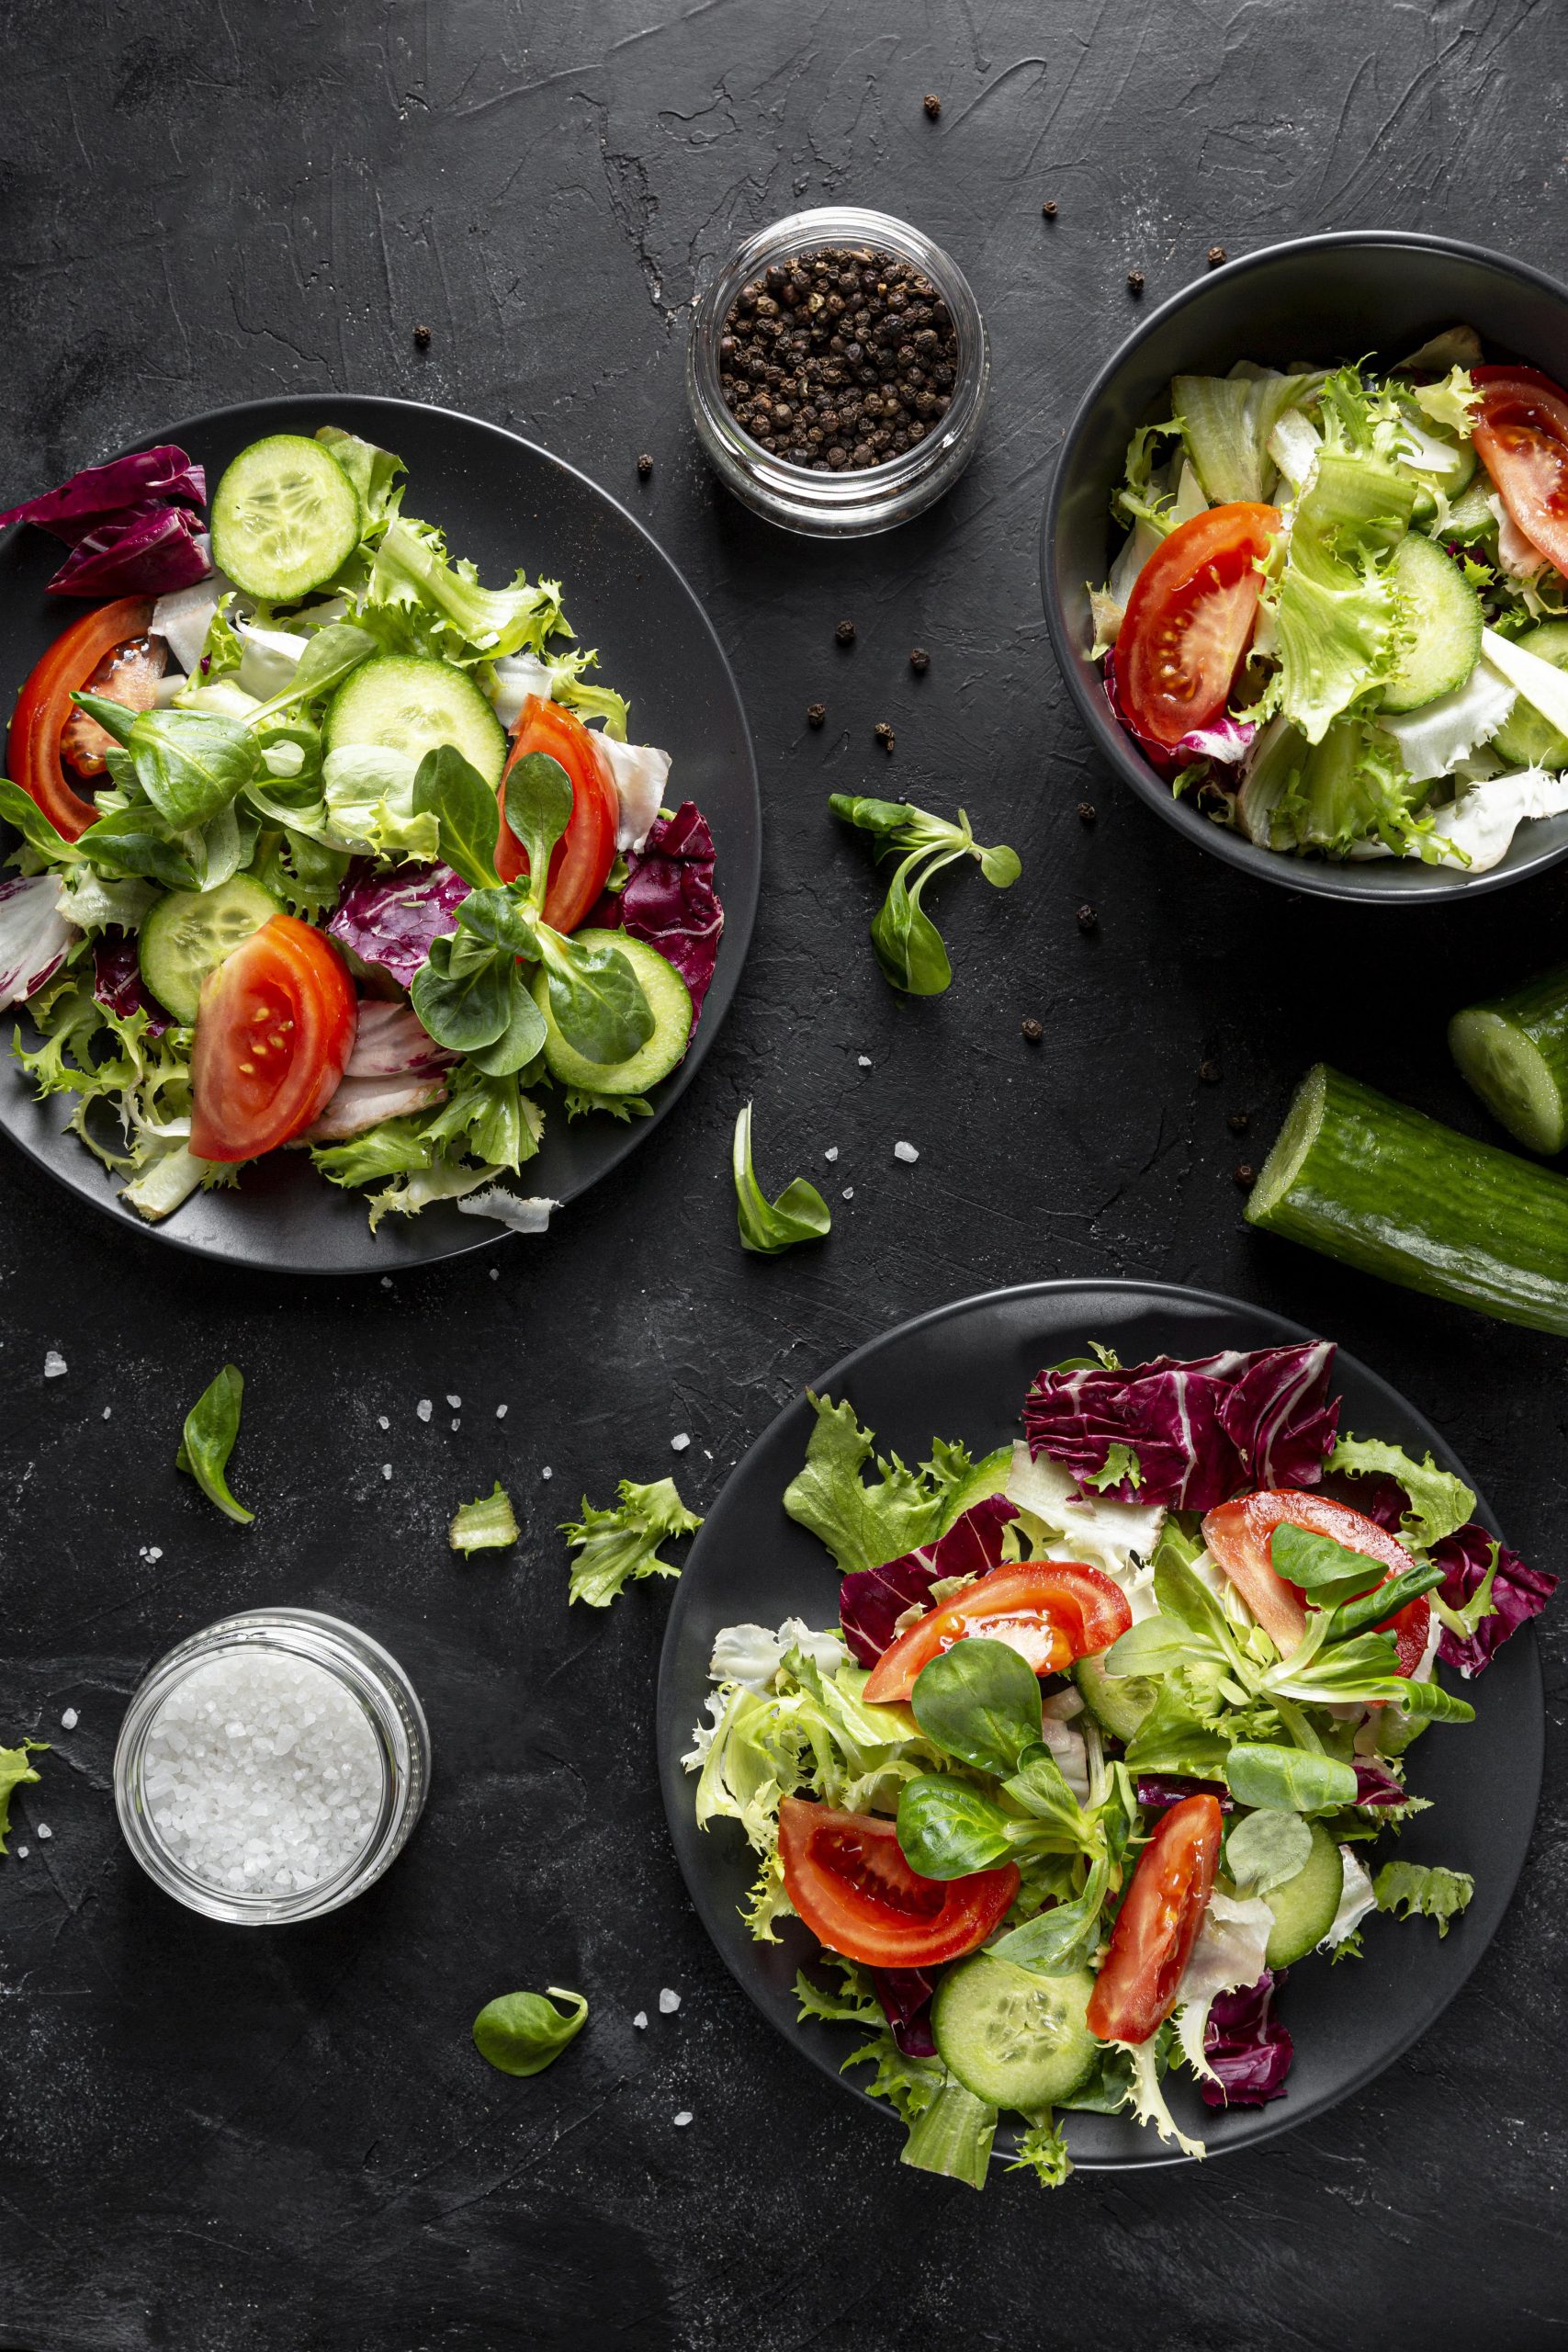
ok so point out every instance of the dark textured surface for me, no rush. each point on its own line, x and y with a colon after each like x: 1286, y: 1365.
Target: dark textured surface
x: 223, y: 2145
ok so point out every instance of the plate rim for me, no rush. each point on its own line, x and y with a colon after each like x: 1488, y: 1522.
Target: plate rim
x: 675, y: 1783
x: 721, y: 994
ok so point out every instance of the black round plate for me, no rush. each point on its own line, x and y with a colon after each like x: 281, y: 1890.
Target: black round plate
x: 503, y: 502
x: 1378, y: 293
x: 962, y: 1373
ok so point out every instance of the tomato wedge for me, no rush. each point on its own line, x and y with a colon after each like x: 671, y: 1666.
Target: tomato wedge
x: 1051, y: 1611
x: 44, y: 708
x: 847, y: 1877
x: 274, y: 1033
x: 586, y: 851
x: 1238, y: 1535
x: 1521, y: 433
x: 1188, y: 620
x: 1157, y: 1923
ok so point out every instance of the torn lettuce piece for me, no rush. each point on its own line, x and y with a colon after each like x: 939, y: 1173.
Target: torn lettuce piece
x: 621, y: 1545
x: 1333, y: 600
x: 1414, y: 1890
x: 13, y: 1769
x: 488, y: 1525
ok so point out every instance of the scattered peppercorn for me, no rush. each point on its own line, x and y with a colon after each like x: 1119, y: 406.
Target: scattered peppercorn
x: 838, y: 357
x: 1135, y: 281
x: 920, y: 661
x: 1088, y: 919
x: 1239, y: 1122
x: 816, y: 713
x: 845, y: 632
x: 884, y: 734
x: 1245, y: 1176
x: 934, y: 105
x: 1086, y: 812
x: 421, y: 338
x: 644, y: 467
x: 1049, y: 209
x: 1033, y: 1030
x: 1210, y: 1073
x: 1217, y: 255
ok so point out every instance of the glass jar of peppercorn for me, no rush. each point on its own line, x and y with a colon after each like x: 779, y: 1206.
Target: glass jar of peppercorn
x: 838, y: 371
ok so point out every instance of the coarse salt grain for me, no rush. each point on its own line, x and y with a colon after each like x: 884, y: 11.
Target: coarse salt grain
x: 454, y: 1402
x: 386, y: 1469
x: 640, y: 2020
x: 53, y: 1365
x: 905, y: 1151
x: 386, y: 1282
x: 831, y: 1152
x: 669, y: 2003
x: 108, y: 1411
x: 23, y: 1851
x: 154, y: 1551
x: 684, y: 2117
x: 495, y: 1273
x: 501, y: 1412
x: 849, y: 1192
x: 424, y: 1408
x: 547, y: 1472
x: 864, y: 1061
x: 382, y: 1423
x: 456, y: 1424
x: 44, y: 1830
x: 261, y: 1774
x: 69, y: 1720
x: 679, y: 1444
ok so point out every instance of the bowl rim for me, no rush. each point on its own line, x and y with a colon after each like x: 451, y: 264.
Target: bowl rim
x: 1363, y: 883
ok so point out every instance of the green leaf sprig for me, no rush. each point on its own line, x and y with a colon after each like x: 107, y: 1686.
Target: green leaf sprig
x: 522, y: 2033
x: 211, y: 1426
x: 908, y: 945
x: 800, y: 1214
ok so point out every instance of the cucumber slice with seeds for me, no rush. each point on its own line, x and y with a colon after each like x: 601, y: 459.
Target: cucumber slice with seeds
x: 1304, y: 1907
x: 188, y: 935
x: 1443, y: 613
x: 284, y: 518
x: 1011, y: 2038
x: 1513, y: 1051
x: 407, y: 703
x: 1525, y: 738
x: 670, y: 999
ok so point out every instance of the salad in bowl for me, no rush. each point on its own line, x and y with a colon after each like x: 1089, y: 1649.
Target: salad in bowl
x: 1338, y: 622
x: 1117, y: 1726
x: 324, y: 845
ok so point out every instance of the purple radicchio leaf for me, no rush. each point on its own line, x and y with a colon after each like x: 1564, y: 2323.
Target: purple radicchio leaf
x: 1198, y: 1429
x: 1518, y: 1593
x: 389, y: 920
x: 1228, y: 741
x: 872, y: 1600
x: 117, y: 983
x: 35, y: 937
x: 669, y: 900
x: 148, y: 552
x: 1248, y: 2047
x: 99, y: 493
x: 1376, y: 1785
x: 1158, y: 1791
x: 905, y: 1997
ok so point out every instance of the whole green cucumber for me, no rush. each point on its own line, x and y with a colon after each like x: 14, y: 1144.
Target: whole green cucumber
x: 1388, y: 1190
x: 1513, y: 1050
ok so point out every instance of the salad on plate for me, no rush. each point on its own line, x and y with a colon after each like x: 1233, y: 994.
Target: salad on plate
x: 326, y: 846
x: 1106, y: 1740
x: 1340, y: 620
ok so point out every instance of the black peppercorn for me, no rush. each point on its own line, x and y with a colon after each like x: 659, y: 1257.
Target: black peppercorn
x: 1239, y: 1122
x: 1033, y: 1030
x: 1245, y: 1176
x: 1088, y: 919
x: 1049, y: 209
x: 933, y: 105
x: 1086, y: 812
x: 1135, y: 281
x: 816, y: 712
x: 421, y: 338
x: 884, y: 734
x: 1217, y: 255
x: 644, y: 467
x: 1210, y: 1073
x: 845, y: 632
x: 920, y: 661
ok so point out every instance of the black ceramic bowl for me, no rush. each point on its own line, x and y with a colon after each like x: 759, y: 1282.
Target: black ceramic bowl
x: 1366, y: 292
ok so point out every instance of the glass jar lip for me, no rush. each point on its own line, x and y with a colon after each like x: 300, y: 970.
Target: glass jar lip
x: 870, y: 498
x: 372, y: 1677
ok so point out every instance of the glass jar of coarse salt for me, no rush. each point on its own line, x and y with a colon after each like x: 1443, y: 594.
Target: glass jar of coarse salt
x: 271, y: 1767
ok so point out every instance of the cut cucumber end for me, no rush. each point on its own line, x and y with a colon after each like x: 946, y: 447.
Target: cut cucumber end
x: 408, y: 703
x: 284, y: 518
x: 1443, y: 614
x: 187, y: 934
x: 1512, y: 1077
x: 1291, y: 1145
x: 1011, y: 2038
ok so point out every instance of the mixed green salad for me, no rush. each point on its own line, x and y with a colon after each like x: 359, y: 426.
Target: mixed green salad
x: 1339, y: 620
x: 1103, y: 1740
x: 323, y: 843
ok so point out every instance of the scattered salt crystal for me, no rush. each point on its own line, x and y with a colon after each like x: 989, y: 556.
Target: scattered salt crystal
x: 70, y: 1719
x: 831, y: 1152
x: 454, y: 1402
x: 456, y: 1424
x: 669, y: 2003
x: 684, y: 2116
x: 849, y: 1192
x: 23, y: 1851
x: 386, y: 1469
x: 44, y: 1830
x: 424, y: 1408
x: 864, y: 1061
x: 495, y: 1273
x: 386, y: 1282
x: 905, y: 1151
x: 154, y: 1551
x: 547, y: 1472
x: 640, y: 2020
x: 501, y: 1412
x: 382, y: 1423
x: 262, y: 1773
x: 53, y: 1365
x: 679, y: 1444
x: 108, y: 1411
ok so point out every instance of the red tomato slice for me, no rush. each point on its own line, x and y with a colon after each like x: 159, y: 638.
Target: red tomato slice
x: 1051, y: 1611
x: 847, y: 1877
x: 1238, y: 1535
x: 128, y: 675
x: 273, y: 1036
x: 1521, y: 433
x: 1188, y: 620
x: 45, y: 711
x: 586, y: 851
x: 1157, y: 1923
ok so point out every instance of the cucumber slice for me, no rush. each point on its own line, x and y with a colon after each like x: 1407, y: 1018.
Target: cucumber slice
x: 285, y: 517
x: 1304, y: 1907
x: 1117, y: 1702
x: 1525, y: 738
x: 671, y: 1001
x: 188, y: 935
x: 1471, y: 519
x: 1514, y: 1051
x: 1443, y: 614
x: 406, y: 703
x: 1382, y: 1187
x: 1011, y: 2038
